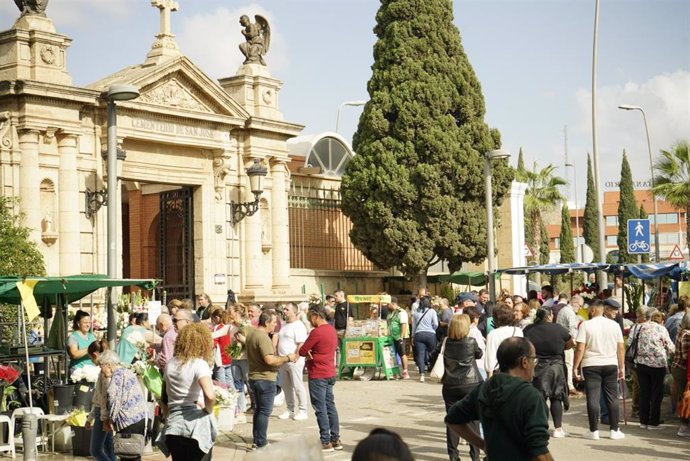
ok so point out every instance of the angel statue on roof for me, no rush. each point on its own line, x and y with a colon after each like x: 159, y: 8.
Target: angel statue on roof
x: 258, y: 39
x: 32, y: 6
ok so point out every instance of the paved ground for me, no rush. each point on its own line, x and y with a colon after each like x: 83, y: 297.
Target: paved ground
x: 415, y: 411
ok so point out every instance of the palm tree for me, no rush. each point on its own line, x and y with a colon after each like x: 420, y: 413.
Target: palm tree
x: 673, y: 179
x: 542, y: 194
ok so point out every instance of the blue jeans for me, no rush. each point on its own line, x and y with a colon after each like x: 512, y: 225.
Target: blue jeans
x: 240, y: 370
x: 264, y: 393
x: 101, y: 446
x: 424, y: 346
x: 323, y: 402
x: 223, y: 374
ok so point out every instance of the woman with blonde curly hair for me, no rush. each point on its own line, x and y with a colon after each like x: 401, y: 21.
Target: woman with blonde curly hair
x: 188, y: 396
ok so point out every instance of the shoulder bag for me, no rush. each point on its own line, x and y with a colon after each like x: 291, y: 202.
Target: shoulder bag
x: 439, y: 368
x: 128, y: 445
x: 631, y: 350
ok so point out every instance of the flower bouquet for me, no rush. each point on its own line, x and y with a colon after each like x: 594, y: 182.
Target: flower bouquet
x: 87, y: 373
x: 225, y: 396
x: 236, y: 348
x: 8, y: 375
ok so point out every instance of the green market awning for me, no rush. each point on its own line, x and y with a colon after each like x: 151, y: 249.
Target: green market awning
x: 465, y: 278
x: 73, y: 287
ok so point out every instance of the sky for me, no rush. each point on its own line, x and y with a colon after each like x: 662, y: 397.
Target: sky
x: 532, y: 57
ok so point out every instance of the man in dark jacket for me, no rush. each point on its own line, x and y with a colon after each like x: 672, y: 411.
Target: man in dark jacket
x: 511, y: 410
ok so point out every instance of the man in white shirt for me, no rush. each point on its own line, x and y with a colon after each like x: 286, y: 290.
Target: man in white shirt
x: 292, y: 335
x: 567, y: 318
x: 601, y: 352
x: 547, y: 296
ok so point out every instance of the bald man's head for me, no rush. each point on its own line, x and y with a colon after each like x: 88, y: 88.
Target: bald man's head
x: 163, y: 323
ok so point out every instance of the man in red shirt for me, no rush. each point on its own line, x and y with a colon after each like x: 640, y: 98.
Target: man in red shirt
x: 319, y: 349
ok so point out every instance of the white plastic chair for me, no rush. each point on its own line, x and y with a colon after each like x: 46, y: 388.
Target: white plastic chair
x: 9, y: 444
x: 41, y: 440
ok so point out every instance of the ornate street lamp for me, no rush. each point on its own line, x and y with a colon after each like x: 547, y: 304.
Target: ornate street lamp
x: 256, y: 174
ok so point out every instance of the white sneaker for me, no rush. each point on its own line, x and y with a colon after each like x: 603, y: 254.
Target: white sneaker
x: 617, y: 435
x: 300, y: 416
x: 658, y: 427
x: 559, y: 433
x: 592, y: 435
x: 421, y: 378
x: 286, y: 415
x: 643, y: 426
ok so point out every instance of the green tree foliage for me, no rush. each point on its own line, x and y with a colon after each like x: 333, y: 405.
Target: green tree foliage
x: 415, y: 189
x: 20, y: 255
x: 521, y: 171
x: 644, y: 215
x: 544, y: 251
x: 627, y: 209
x: 542, y: 194
x: 591, y: 221
x: 673, y: 179
x: 566, y: 237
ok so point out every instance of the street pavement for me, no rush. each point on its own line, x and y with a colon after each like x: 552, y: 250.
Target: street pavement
x: 415, y: 411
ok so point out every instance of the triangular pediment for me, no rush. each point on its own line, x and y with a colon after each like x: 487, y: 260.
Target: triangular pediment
x: 178, y: 86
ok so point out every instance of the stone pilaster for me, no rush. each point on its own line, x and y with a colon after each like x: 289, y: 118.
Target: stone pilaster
x: 255, y: 89
x: 68, y: 205
x: 30, y: 181
x: 279, y: 227
x: 32, y: 50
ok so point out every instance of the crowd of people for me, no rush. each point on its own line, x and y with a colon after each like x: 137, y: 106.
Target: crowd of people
x: 506, y: 366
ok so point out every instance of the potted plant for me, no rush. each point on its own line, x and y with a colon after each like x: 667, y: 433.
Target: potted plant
x: 8, y: 375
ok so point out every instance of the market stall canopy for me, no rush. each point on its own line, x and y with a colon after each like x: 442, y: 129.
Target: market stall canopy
x: 476, y: 279
x: 73, y: 287
x: 641, y: 271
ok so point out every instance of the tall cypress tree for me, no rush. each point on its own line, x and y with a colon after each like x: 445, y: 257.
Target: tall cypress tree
x: 521, y: 171
x: 544, y: 250
x: 591, y: 221
x: 644, y: 215
x: 415, y: 189
x: 566, y: 237
x: 627, y: 209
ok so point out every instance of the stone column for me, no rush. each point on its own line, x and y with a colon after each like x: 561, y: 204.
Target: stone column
x: 253, y: 263
x: 68, y: 206
x: 279, y: 227
x: 30, y: 182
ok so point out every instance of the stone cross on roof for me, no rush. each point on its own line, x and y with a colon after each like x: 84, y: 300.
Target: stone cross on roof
x: 164, y: 46
x: 166, y: 7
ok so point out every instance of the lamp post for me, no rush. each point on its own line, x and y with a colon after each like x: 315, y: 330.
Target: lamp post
x: 256, y: 173
x: 578, y: 255
x: 651, y: 170
x: 346, y: 103
x: 491, y: 155
x: 595, y: 153
x: 115, y: 93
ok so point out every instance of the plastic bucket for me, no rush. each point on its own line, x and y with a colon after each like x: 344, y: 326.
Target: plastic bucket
x: 81, y: 441
x: 83, y: 394
x: 63, y: 395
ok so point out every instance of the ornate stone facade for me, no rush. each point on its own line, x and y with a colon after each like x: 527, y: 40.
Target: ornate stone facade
x: 185, y: 132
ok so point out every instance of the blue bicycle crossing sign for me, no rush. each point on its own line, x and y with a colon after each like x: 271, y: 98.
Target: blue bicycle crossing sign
x: 639, y: 237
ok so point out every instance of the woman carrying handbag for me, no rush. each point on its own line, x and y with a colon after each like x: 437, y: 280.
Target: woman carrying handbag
x: 460, y: 375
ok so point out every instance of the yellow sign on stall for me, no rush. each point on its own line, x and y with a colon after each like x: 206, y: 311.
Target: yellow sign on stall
x: 360, y: 352
x: 373, y: 299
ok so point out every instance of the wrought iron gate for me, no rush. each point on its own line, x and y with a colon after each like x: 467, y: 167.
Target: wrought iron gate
x: 177, y: 243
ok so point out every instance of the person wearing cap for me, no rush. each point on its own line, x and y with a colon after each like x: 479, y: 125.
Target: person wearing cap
x: 601, y: 352
x: 612, y: 310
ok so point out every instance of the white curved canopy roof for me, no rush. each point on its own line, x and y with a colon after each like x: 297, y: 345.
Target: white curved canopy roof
x: 327, y: 151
